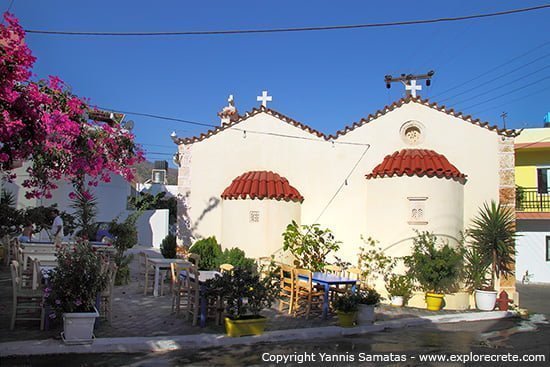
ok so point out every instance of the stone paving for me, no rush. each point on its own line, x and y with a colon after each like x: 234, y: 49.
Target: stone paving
x: 135, y: 314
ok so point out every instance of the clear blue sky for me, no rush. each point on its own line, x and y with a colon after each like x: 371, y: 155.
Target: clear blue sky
x: 324, y: 79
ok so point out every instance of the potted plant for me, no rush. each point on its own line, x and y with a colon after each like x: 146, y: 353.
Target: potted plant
x: 400, y: 289
x: 436, y: 268
x: 245, y: 295
x: 72, y: 291
x: 367, y: 300
x: 346, y: 307
x: 492, y: 236
x: 125, y: 237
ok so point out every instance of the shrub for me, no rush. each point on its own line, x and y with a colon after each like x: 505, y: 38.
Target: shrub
x: 348, y: 302
x: 436, y: 268
x: 400, y: 285
x: 244, y: 292
x: 368, y: 296
x: 125, y: 237
x: 168, y: 247
x: 209, y: 250
x: 237, y: 258
x: 76, y: 281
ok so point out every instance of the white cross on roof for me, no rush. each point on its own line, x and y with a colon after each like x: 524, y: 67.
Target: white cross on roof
x: 413, y: 87
x: 264, y: 98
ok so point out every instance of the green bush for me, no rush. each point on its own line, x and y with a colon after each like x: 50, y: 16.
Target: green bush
x: 237, y: 258
x: 168, y: 247
x: 209, y: 250
x: 436, y: 267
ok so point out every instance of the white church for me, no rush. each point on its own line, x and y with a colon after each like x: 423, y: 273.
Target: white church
x: 412, y: 165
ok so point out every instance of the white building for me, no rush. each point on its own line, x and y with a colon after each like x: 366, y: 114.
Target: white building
x: 410, y: 166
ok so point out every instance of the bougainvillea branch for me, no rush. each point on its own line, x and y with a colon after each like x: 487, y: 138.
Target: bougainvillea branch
x: 44, y: 123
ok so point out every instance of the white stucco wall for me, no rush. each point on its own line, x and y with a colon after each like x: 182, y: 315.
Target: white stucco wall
x: 152, y: 227
x: 531, y: 250
x: 317, y: 168
x: 388, y: 210
x: 257, y: 239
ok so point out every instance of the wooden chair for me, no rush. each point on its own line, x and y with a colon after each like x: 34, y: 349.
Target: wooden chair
x: 180, y: 286
x: 286, y: 294
x: 193, y: 291
x: 334, y: 290
x: 306, y: 296
x: 226, y: 268
x: 195, y: 259
x: 354, y: 273
x: 27, y: 304
x: 147, y: 273
x: 106, y: 305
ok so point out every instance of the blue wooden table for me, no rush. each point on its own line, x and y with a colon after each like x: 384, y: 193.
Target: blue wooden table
x: 328, y: 280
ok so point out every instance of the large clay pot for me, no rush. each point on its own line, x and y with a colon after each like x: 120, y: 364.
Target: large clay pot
x: 434, y: 301
x: 486, y: 300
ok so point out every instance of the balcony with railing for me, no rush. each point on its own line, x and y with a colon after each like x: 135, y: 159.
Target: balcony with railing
x: 532, y: 200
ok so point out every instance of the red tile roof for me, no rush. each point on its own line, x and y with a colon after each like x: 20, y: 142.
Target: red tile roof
x: 261, y: 185
x: 417, y: 162
x: 347, y: 129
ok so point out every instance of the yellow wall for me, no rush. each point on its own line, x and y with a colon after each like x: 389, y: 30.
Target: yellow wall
x: 526, y: 165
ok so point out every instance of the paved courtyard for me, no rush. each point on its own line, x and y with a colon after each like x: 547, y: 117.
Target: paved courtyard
x: 135, y: 314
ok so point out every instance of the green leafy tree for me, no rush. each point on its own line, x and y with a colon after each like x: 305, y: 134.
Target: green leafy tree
x: 373, y: 262
x: 310, y: 245
x: 237, y: 258
x: 493, y: 235
x: 125, y: 237
x: 437, y: 268
x: 209, y: 250
x: 10, y: 217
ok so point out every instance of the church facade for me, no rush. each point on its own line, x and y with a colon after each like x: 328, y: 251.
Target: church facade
x: 412, y: 165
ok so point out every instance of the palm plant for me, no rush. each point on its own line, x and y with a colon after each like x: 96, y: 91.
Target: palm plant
x: 493, y: 236
x: 84, y: 203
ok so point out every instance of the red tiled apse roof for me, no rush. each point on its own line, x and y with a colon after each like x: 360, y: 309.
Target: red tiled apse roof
x: 261, y: 185
x: 416, y: 162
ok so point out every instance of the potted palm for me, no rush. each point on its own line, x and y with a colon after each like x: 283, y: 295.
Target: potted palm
x: 367, y: 301
x: 400, y: 289
x: 72, y: 291
x: 346, y: 307
x: 437, y: 268
x: 492, y: 235
x: 245, y: 295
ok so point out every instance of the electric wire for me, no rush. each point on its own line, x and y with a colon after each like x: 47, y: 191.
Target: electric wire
x: 507, y: 93
x: 495, y: 68
x: 502, y: 76
x: 297, y: 29
x: 244, y: 131
x: 500, y: 86
x: 545, y: 89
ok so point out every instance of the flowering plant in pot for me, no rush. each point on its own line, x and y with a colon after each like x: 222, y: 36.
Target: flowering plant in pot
x: 367, y: 300
x: 72, y: 290
x: 437, y: 268
x: 492, y: 236
x: 400, y: 288
x: 245, y: 295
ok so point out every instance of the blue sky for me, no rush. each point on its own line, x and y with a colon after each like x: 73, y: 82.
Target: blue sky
x: 324, y: 79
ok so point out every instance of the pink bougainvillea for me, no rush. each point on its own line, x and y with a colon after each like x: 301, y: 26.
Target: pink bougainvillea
x: 42, y: 122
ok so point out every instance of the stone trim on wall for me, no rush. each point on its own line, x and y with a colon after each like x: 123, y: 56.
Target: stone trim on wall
x: 507, y: 198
